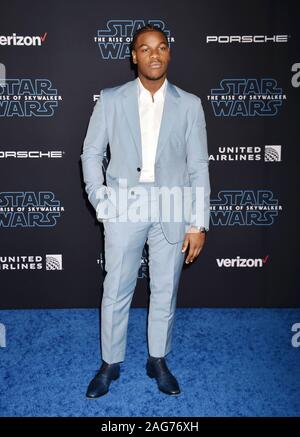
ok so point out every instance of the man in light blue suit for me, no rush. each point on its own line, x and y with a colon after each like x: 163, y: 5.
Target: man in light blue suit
x: 158, y: 144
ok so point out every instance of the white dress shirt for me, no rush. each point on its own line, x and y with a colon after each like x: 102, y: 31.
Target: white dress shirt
x: 150, y: 111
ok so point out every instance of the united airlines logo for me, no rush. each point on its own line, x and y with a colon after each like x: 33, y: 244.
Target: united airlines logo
x: 27, y: 209
x: 54, y: 262
x: 273, y: 153
x: 227, y: 154
x: 25, y: 263
x: 28, y: 98
x: 114, y: 41
x: 244, y: 208
x: 246, y: 98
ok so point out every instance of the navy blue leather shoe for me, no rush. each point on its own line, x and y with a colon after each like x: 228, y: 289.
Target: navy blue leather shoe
x: 157, y: 368
x: 99, y: 385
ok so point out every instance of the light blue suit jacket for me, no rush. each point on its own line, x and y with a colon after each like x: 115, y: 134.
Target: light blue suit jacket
x: 181, y: 154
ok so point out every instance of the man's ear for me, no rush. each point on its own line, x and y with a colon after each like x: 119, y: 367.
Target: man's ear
x: 133, y: 56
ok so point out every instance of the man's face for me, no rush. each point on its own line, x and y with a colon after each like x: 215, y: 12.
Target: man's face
x: 151, y: 54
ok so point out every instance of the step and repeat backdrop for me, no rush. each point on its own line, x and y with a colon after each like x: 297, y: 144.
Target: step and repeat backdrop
x: 241, y: 58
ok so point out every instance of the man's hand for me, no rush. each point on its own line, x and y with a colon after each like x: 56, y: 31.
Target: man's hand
x: 195, y: 240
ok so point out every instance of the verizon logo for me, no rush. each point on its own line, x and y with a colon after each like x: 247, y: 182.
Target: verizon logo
x: 242, y: 262
x: 18, y: 40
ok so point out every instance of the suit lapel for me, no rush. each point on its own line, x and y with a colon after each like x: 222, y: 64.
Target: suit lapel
x: 131, y: 111
x: 168, y: 119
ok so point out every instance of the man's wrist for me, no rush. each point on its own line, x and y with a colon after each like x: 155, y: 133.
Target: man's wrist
x: 194, y: 228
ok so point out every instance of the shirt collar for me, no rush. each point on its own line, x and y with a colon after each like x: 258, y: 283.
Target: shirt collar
x: 145, y: 94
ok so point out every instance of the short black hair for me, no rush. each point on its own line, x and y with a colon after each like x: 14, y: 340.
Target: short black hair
x: 147, y: 28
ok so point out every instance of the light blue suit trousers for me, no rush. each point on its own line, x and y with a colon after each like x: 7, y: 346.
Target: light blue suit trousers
x: 124, y: 243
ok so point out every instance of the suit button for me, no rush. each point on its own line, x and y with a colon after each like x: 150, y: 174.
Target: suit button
x: 138, y: 169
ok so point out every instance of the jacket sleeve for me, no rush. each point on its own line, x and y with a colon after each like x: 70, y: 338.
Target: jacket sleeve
x: 94, y: 147
x: 198, y: 163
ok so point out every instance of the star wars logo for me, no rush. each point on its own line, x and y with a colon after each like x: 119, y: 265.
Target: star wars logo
x: 27, y: 209
x: 244, y: 208
x: 246, y: 98
x: 114, y: 41
x: 28, y: 98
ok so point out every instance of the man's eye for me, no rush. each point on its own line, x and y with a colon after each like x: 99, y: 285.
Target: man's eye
x: 163, y: 48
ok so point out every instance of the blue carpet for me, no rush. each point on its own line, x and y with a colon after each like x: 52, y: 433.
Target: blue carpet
x: 228, y: 362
